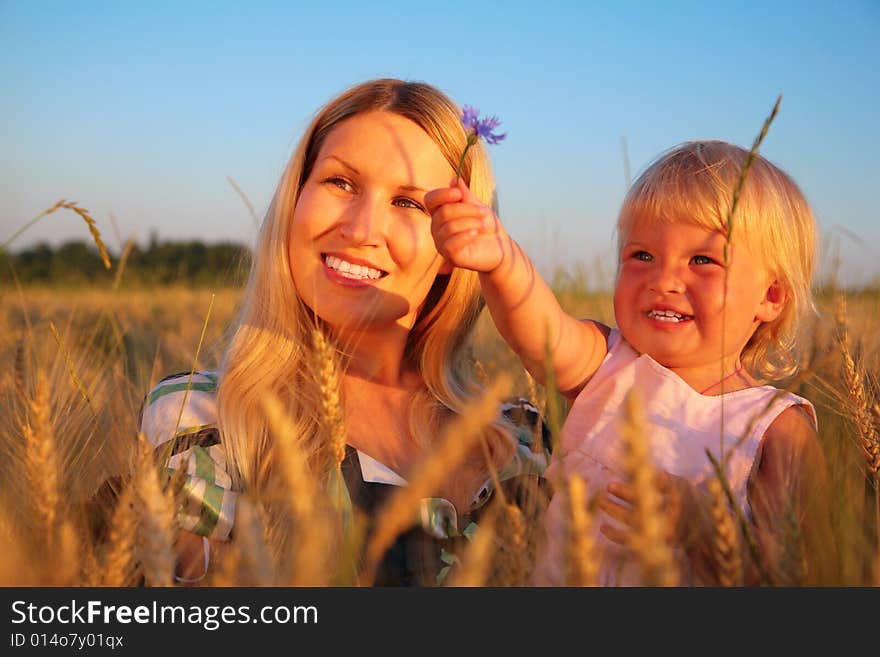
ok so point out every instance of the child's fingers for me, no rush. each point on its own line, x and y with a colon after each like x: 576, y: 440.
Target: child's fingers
x: 473, y: 250
x: 622, y: 490
x: 439, y: 197
x: 466, y: 194
x: 467, y: 225
x: 620, y: 512
x: 614, y: 534
x: 458, y: 246
x: 457, y: 212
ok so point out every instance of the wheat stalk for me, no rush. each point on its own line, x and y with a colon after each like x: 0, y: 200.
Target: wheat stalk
x: 581, y: 560
x: 328, y: 375
x: 245, y: 200
x: 859, y: 407
x: 66, y: 558
x: 119, y: 562
x: 71, y: 369
x: 156, y: 520
x: 725, y: 541
x: 454, y: 443
x: 253, y: 554
x: 42, y: 463
x: 296, y: 484
x: 744, y: 526
x: 648, y: 540
x: 476, y: 560
x: 82, y: 212
x: 792, y: 567
x: 123, y: 261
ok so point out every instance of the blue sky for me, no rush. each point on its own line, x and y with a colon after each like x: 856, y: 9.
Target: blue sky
x: 143, y: 110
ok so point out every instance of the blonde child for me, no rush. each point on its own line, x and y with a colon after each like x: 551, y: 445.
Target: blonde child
x: 684, y: 346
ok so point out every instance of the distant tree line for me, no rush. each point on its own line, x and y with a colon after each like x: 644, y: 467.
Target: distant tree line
x: 160, y: 263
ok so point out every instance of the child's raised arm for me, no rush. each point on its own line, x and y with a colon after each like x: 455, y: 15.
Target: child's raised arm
x: 469, y: 235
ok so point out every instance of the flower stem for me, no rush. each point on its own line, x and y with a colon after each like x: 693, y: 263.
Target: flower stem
x: 471, y: 140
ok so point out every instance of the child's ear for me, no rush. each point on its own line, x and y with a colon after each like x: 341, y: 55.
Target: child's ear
x: 773, y: 302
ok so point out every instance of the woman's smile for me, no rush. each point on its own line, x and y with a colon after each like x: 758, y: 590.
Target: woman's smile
x: 348, y: 270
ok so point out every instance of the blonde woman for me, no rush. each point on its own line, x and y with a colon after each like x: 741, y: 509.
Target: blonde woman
x: 346, y: 247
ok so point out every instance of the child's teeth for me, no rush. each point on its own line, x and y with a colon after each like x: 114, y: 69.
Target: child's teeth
x: 667, y: 315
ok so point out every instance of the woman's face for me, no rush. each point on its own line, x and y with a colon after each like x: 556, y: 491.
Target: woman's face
x: 360, y: 246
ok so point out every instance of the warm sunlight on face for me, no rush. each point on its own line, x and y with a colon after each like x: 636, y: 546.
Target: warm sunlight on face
x: 360, y: 244
x: 669, y: 298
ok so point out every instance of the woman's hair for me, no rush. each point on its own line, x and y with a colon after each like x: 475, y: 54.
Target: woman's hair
x: 693, y: 183
x: 270, y: 350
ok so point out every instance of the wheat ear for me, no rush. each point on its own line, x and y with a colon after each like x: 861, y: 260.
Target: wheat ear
x: 649, y: 537
x: 581, y: 560
x: 476, y: 560
x: 82, y: 212
x: 302, y: 495
x: 42, y: 463
x: 859, y: 408
x: 328, y: 375
x: 456, y: 440
x: 119, y: 563
x: 156, y: 520
x: 725, y: 540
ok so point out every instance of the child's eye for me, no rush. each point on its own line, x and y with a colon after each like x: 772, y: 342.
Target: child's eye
x: 644, y: 256
x: 341, y: 183
x: 702, y: 260
x: 404, y: 202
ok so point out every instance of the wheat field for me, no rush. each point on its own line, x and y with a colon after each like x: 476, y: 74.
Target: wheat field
x: 79, y: 362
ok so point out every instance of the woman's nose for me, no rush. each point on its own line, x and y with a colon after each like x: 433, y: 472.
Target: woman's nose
x: 363, y: 221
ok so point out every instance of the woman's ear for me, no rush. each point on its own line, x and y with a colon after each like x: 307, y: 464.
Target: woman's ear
x: 773, y: 302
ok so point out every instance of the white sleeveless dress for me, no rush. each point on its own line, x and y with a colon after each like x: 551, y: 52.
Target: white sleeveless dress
x: 680, y: 423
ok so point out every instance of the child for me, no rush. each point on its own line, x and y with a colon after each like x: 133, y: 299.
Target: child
x: 681, y: 345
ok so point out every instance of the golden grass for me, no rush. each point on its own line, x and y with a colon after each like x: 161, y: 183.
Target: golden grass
x: 119, y: 345
x: 83, y: 214
x: 726, y: 547
x: 581, y: 556
x: 649, y: 539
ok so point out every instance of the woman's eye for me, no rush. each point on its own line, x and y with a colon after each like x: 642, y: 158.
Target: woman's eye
x: 404, y: 202
x: 644, y: 256
x: 702, y: 260
x: 341, y: 183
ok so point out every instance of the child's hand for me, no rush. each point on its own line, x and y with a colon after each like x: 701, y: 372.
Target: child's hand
x: 680, y: 505
x: 466, y: 232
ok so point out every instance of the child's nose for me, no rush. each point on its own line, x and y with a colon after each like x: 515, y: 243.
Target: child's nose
x: 667, y: 280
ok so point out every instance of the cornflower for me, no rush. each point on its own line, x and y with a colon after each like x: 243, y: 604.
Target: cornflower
x: 478, y: 128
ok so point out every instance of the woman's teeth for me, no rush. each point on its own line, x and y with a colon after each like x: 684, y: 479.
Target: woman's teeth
x: 668, y: 316
x: 350, y: 270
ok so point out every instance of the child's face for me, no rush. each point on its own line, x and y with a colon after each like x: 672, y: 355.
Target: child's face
x: 669, y: 298
x: 360, y: 245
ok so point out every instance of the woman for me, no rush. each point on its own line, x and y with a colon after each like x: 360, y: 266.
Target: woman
x: 346, y: 249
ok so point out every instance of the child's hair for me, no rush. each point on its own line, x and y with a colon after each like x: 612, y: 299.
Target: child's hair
x: 693, y: 183
x: 271, y: 345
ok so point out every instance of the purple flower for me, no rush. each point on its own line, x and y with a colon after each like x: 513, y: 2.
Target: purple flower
x: 478, y: 128
x: 470, y: 117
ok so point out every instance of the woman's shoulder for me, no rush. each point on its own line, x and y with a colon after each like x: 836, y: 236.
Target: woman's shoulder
x: 181, y: 404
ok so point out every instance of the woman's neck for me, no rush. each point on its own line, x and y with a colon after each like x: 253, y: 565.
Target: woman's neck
x: 377, y: 357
